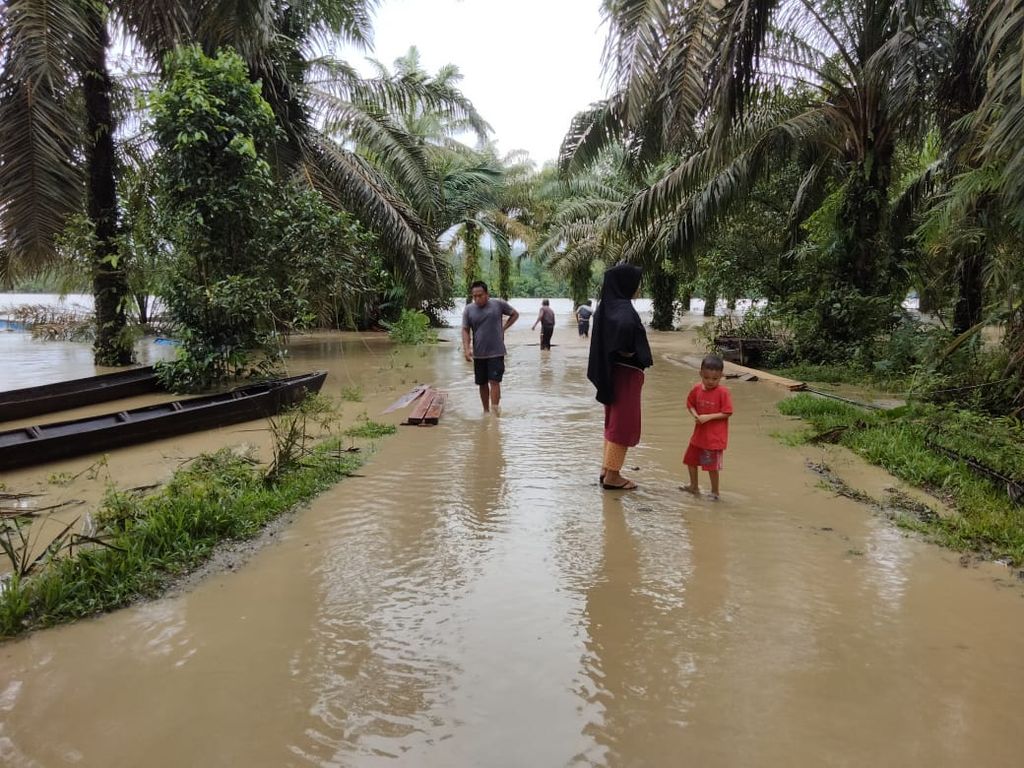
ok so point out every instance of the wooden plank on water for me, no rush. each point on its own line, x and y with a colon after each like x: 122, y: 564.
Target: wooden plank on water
x: 791, y: 384
x: 433, y: 414
x: 407, y: 398
x: 420, y: 410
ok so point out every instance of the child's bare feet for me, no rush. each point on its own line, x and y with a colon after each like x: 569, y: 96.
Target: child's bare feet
x: 714, y: 497
x: 690, y: 489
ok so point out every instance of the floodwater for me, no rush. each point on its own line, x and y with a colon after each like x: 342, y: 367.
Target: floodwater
x: 474, y: 599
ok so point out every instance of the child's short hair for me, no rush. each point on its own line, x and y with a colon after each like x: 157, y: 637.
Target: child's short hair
x: 712, y: 363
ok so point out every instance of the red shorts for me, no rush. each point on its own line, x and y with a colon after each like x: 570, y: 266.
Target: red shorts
x: 708, y: 460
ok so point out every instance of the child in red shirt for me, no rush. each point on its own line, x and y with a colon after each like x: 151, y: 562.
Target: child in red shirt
x: 711, y: 406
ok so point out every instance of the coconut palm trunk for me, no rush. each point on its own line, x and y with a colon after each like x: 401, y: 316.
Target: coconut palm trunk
x: 710, y: 302
x: 471, y: 265
x: 664, y: 287
x: 505, y: 276
x: 110, y: 282
x: 579, y: 283
x: 861, y: 217
x: 967, y: 312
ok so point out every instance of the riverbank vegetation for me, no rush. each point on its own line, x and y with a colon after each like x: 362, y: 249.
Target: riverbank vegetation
x: 971, y: 465
x: 142, y: 544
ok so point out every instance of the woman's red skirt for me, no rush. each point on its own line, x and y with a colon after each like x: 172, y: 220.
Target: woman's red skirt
x: 622, y: 417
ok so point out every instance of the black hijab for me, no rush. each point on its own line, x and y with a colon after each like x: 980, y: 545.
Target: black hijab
x: 618, y: 331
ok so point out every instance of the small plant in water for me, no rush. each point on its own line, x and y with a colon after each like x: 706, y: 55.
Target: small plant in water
x: 18, y: 544
x: 291, y: 432
x: 370, y: 430
x: 352, y: 394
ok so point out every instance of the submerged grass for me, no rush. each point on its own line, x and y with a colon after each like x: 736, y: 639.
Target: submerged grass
x: 371, y: 430
x: 147, y: 541
x: 904, y: 442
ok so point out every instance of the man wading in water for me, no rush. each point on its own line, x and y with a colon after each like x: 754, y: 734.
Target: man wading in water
x: 483, y: 316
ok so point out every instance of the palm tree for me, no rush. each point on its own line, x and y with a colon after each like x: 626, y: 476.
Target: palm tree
x: 713, y: 81
x: 582, y: 228
x: 56, y: 108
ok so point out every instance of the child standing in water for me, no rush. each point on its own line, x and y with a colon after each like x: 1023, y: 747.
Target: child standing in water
x: 710, y: 404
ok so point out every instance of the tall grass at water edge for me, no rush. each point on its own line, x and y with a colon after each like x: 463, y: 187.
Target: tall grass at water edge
x: 903, y: 441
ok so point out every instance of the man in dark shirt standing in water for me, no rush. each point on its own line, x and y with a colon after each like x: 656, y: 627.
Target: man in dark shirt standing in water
x: 583, y: 315
x: 483, y: 316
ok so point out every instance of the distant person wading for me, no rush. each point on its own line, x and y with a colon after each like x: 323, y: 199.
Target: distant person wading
x: 546, y: 318
x: 482, y: 319
x: 619, y: 353
x: 583, y: 315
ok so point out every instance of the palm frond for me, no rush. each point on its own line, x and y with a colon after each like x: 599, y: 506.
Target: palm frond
x: 590, y: 132
x: 375, y: 136
x: 1001, y: 35
x: 353, y: 184
x: 43, y: 44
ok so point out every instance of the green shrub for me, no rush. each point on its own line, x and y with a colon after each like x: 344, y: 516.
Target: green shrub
x: 412, y: 327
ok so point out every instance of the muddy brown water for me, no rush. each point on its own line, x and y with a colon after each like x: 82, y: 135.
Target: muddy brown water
x: 476, y: 600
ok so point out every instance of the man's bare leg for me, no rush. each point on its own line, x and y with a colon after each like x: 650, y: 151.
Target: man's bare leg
x: 495, y: 393
x: 485, y: 397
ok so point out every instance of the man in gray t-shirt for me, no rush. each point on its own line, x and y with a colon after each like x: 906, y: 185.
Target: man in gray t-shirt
x: 484, y: 317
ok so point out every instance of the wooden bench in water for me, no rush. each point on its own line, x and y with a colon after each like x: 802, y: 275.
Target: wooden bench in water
x: 436, y: 408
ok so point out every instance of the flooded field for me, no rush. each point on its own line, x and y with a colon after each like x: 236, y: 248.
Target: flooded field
x: 474, y: 599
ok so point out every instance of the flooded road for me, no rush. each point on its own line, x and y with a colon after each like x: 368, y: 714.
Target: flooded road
x: 474, y: 599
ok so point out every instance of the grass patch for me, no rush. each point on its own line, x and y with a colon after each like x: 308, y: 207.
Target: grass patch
x: 371, y: 430
x: 144, y: 542
x: 907, y: 442
x: 845, y: 374
x: 824, y: 374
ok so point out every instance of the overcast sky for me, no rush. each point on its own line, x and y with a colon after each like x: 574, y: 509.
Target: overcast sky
x: 528, y: 65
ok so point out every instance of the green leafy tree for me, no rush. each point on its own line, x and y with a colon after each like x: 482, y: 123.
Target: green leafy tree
x: 250, y: 257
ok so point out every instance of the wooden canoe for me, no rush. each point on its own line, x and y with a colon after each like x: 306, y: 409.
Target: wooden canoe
x: 61, y: 440
x: 47, y: 398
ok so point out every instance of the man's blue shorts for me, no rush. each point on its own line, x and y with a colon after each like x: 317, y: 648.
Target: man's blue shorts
x: 487, y: 369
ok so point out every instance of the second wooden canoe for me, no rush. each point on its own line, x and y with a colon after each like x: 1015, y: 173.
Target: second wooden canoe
x: 49, y: 398
x: 39, y: 444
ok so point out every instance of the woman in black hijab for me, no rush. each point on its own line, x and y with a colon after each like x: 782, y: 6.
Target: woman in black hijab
x: 619, y: 353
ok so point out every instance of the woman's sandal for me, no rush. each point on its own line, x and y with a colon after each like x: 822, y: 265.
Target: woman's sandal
x: 627, y: 485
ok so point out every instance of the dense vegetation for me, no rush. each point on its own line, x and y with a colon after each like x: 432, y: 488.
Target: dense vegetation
x: 826, y: 157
